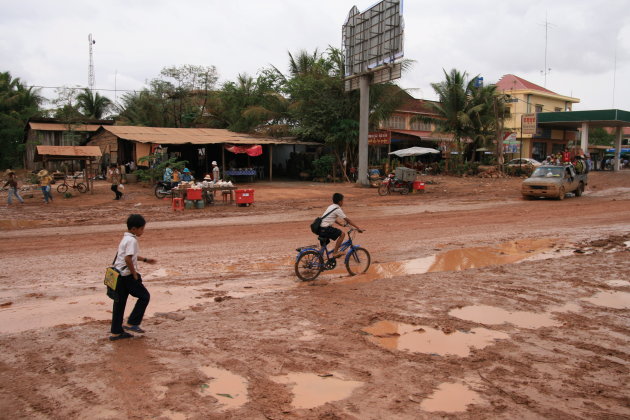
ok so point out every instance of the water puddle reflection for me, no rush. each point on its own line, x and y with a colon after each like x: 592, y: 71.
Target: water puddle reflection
x: 618, y: 283
x: 464, y: 259
x: 228, y: 388
x: 450, y: 398
x: 491, y: 315
x: 615, y: 300
x: 311, y: 390
x: 422, y: 339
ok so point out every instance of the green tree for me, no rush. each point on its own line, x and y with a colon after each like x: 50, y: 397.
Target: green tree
x: 18, y: 103
x: 179, y: 97
x: 601, y: 137
x: 471, y: 114
x: 321, y: 109
x: 93, y: 105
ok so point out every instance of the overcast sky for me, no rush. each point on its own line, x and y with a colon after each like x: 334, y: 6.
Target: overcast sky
x: 45, y: 42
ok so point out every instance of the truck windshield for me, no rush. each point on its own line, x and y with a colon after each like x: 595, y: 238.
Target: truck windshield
x: 547, y: 172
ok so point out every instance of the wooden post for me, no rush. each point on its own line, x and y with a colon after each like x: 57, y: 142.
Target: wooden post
x: 271, y: 162
x: 223, y: 158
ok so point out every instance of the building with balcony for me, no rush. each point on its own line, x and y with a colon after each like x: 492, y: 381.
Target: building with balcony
x: 524, y: 97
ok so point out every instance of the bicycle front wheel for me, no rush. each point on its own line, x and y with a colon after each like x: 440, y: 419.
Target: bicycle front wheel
x: 62, y: 188
x: 309, y: 265
x: 358, y: 261
x: 81, y: 187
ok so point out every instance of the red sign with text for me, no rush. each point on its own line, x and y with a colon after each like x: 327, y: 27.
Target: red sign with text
x: 379, y: 138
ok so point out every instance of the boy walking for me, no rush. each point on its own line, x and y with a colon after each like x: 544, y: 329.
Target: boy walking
x: 331, y: 216
x: 130, y: 281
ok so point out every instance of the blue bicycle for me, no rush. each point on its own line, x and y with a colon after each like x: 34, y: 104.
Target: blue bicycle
x: 310, y: 261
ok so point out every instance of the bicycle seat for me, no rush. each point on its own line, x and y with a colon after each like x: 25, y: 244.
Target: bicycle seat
x: 323, y: 241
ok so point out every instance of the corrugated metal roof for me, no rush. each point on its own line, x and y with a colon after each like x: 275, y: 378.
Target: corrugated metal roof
x: 163, y: 135
x: 71, y: 151
x: 62, y: 127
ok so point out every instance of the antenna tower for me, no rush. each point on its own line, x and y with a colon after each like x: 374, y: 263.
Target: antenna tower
x: 91, y: 66
x: 546, y: 70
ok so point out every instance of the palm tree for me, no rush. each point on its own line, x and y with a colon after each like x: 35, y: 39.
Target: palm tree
x: 93, y: 105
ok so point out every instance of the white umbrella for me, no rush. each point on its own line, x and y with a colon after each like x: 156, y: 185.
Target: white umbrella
x: 414, y: 151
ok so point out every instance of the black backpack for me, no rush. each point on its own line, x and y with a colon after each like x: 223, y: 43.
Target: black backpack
x: 317, y: 223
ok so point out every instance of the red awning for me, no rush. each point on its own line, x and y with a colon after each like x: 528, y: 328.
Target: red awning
x: 255, y: 150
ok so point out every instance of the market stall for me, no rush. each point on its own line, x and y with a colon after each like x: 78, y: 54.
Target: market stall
x: 198, y: 194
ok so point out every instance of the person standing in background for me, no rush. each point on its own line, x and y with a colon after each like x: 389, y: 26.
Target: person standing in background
x: 216, y: 173
x: 114, y: 175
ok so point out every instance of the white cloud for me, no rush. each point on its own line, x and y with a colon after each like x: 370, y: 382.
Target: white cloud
x: 45, y: 43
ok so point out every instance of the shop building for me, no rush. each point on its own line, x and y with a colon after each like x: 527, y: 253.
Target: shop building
x: 524, y: 97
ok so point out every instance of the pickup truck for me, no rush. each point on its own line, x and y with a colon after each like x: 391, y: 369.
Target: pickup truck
x: 554, y: 181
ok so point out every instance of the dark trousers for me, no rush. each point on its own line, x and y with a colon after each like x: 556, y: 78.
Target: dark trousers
x: 118, y: 193
x: 128, y: 286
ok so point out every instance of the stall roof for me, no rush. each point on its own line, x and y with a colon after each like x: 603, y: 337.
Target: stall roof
x: 163, y: 135
x: 67, y: 152
x: 43, y: 126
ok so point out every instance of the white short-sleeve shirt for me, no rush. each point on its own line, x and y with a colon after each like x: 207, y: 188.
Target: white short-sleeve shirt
x: 330, y: 219
x: 128, y: 246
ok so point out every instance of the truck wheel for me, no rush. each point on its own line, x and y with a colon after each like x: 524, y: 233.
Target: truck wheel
x: 561, y: 194
x: 580, y: 190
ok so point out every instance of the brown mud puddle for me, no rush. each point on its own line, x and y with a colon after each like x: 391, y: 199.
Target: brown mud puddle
x: 465, y: 258
x: 311, y: 390
x: 229, y: 389
x: 615, y: 300
x: 422, y: 339
x: 450, y: 398
x: 492, y: 315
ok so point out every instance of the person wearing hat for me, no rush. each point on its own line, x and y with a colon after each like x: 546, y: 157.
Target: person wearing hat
x: 216, y: 173
x: 13, y: 187
x: 186, y: 175
x: 114, y: 175
x: 44, y: 184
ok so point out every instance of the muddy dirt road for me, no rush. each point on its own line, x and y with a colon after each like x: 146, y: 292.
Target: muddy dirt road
x: 478, y: 304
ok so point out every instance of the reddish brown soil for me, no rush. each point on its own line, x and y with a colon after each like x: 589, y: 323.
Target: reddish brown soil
x: 227, y: 297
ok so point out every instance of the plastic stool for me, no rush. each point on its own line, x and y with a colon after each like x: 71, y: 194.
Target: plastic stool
x: 178, y: 204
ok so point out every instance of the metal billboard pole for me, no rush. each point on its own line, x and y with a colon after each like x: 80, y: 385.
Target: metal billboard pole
x: 372, y: 42
x: 364, y: 116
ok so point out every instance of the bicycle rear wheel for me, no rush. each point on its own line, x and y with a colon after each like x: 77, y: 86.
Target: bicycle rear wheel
x: 62, y: 188
x: 358, y: 261
x: 309, y: 265
x: 81, y: 187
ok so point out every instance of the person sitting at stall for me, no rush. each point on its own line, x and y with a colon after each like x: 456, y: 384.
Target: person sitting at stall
x: 175, y: 177
x: 168, y: 174
x: 186, y: 175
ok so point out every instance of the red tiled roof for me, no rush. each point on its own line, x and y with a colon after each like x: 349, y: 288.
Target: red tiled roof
x: 511, y: 82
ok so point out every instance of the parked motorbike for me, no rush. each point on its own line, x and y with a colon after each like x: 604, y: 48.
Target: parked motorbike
x: 392, y: 184
x: 163, y: 189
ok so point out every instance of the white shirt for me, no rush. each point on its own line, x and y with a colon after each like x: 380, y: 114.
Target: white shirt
x: 128, y: 246
x: 330, y: 219
x: 215, y: 173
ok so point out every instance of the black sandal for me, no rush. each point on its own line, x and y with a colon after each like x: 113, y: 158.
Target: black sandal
x: 120, y: 336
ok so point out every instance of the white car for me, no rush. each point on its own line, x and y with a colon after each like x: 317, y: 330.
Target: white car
x: 523, y: 162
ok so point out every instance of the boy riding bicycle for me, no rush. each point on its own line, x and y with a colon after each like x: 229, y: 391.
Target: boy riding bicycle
x: 331, y: 216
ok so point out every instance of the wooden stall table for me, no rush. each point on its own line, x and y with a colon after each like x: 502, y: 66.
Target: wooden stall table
x: 210, y: 190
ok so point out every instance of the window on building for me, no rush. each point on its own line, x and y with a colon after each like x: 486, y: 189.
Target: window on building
x: 539, y: 108
x: 539, y: 151
x: 421, y: 126
x: 556, y: 109
x: 396, y: 122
